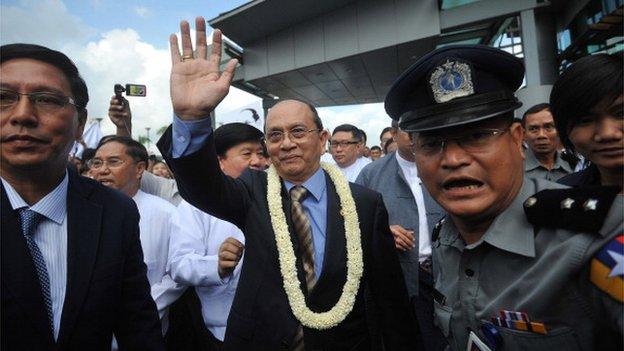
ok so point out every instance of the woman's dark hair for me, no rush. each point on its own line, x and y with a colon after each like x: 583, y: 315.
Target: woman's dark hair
x: 585, y: 84
x: 54, y: 58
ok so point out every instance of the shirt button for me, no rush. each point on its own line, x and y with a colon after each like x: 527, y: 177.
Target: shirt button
x: 469, y: 272
x: 181, y: 138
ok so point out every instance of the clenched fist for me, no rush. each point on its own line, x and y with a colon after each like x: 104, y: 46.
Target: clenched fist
x: 230, y: 253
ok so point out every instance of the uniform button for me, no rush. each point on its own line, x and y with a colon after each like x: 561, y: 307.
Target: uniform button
x: 469, y: 272
x: 181, y: 138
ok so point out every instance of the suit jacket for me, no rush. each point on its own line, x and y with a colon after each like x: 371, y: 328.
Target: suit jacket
x: 107, y: 287
x: 385, y: 176
x: 261, y: 318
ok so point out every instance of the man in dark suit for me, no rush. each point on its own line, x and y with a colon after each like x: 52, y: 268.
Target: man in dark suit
x: 72, y: 266
x: 262, y: 315
x: 412, y: 214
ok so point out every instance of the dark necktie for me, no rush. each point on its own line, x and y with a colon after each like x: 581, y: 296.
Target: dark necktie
x: 306, y: 246
x: 30, y: 220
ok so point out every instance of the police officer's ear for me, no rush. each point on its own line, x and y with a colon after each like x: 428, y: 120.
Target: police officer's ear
x: 517, y: 135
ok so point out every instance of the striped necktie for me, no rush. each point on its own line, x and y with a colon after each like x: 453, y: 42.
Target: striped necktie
x: 306, y: 248
x: 29, y: 221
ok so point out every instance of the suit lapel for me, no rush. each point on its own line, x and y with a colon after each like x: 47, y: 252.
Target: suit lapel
x: 84, y: 219
x: 19, y: 276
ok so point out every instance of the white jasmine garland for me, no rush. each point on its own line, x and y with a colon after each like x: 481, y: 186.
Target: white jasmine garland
x: 287, y: 259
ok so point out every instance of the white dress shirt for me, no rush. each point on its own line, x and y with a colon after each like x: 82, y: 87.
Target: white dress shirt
x: 51, y: 237
x: 158, y: 223
x: 351, y: 172
x: 194, y: 261
x: 411, y: 175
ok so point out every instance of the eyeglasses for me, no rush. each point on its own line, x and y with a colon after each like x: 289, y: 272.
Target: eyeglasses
x: 548, y: 128
x: 96, y: 163
x: 294, y: 134
x: 43, y: 101
x: 475, y: 141
x: 336, y: 144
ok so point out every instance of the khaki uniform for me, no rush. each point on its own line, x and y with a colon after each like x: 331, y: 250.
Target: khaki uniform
x: 544, y: 273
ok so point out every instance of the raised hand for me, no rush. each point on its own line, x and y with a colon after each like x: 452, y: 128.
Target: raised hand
x: 121, y: 116
x: 197, y: 85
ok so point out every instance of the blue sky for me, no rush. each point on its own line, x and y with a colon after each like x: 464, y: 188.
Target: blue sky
x: 127, y: 42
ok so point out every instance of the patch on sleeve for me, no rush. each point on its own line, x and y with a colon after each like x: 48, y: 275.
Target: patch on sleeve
x: 607, y: 268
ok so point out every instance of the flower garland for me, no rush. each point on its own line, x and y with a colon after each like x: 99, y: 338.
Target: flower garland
x: 287, y: 259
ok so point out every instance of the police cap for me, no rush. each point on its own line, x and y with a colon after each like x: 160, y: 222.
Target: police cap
x: 455, y: 85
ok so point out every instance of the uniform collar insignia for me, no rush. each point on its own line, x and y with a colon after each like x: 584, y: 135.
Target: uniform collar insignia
x: 450, y: 80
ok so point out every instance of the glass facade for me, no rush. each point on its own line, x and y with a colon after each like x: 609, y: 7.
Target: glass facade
x: 597, y: 28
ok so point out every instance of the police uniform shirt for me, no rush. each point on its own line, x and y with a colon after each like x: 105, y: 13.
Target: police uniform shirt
x: 534, y: 169
x: 546, y: 276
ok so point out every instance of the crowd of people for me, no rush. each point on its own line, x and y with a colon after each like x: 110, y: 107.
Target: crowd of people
x: 466, y: 228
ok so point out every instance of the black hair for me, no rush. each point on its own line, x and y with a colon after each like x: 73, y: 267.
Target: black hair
x: 55, y: 58
x: 385, y: 130
x: 229, y: 135
x: 134, y: 149
x: 349, y: 128
x: 87, y: 154
x: 363, y: 134
x: 585, y: 84
x: 375, y: 147
x: 534, y: 109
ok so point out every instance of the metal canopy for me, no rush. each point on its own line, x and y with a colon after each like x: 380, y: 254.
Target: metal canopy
x: 362, y: 78
x: 260, y: 18
x: 359, y: 79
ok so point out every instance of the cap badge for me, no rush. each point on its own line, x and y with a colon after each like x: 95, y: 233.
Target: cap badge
x: 451, y: 80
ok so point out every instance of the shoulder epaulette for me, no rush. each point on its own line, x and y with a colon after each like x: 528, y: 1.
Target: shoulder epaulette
x: 582, y: 209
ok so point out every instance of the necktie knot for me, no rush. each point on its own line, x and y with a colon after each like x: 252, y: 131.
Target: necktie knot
x: 29, y: 220
x: 298, y: 193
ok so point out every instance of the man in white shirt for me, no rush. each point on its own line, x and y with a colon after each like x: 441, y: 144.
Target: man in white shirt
x: 207, y: 251
x: 346, y: 143
x: 119, y: 163
x: 120, y: 115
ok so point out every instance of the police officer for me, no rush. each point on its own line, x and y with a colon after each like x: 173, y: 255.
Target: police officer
x: 516, y: 267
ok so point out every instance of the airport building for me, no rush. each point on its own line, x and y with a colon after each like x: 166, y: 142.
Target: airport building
x: 343, y: 52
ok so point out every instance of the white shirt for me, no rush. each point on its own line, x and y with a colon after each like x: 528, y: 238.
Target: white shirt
x: 411, y: 175
x: 327, y: 157
x: 194, y: 261
x: 158, y: 223
x: 51, y: 238
x: 351, y: 172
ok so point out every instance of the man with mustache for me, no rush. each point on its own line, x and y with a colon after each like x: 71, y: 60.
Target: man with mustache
x: 542, y: 160
x: 72, y: 264
x: 320, y: 271
x: 504, y: 279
